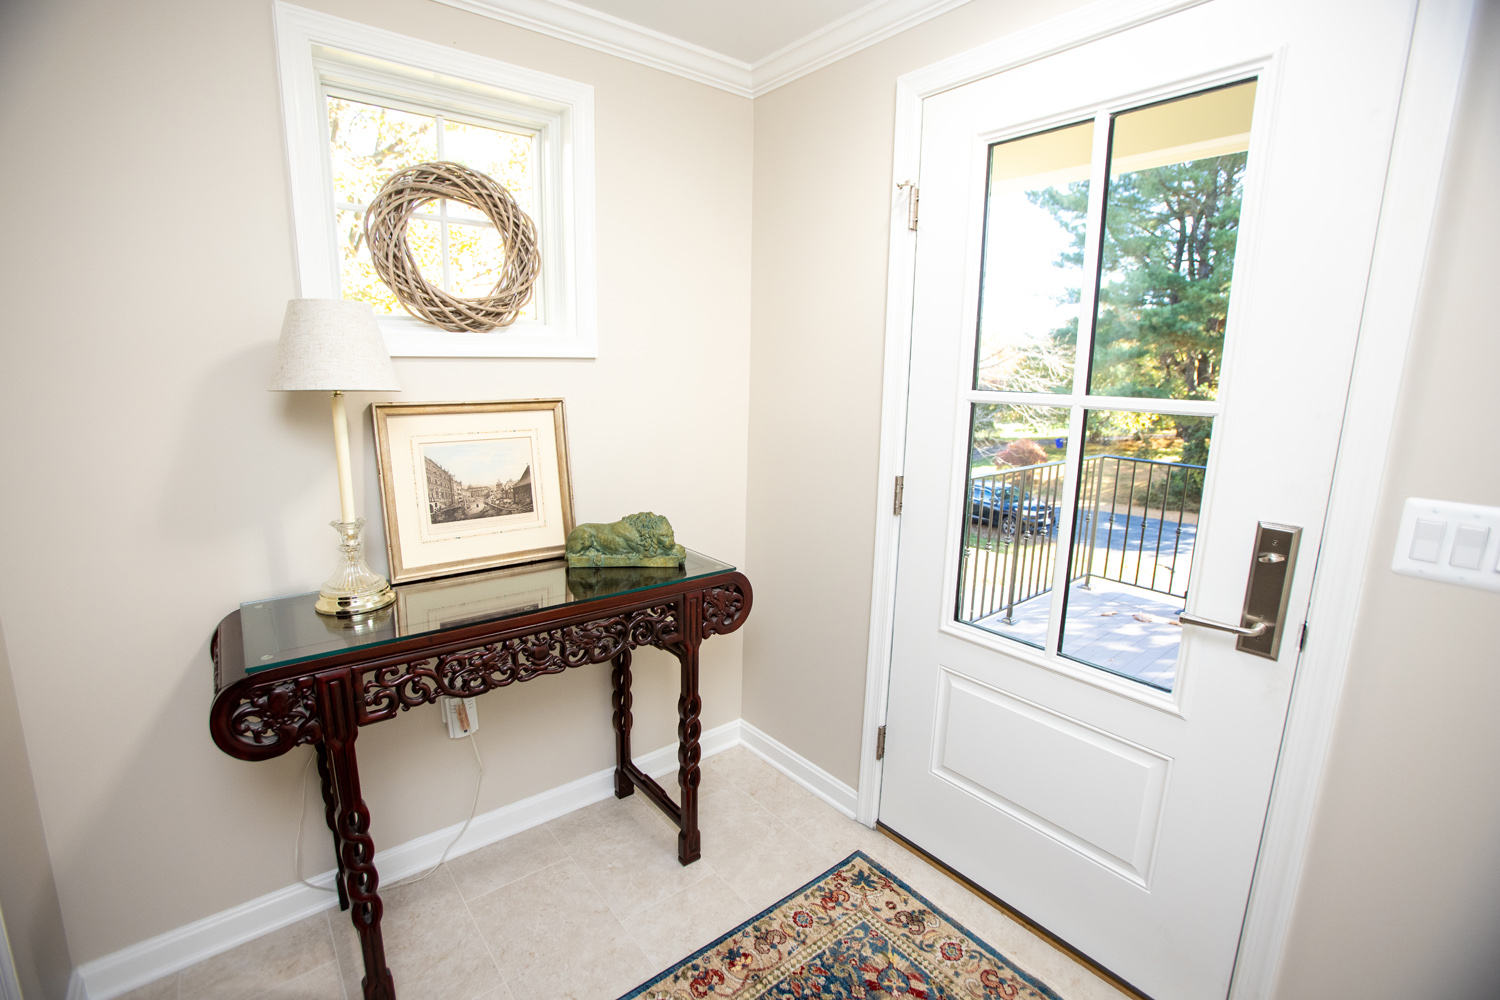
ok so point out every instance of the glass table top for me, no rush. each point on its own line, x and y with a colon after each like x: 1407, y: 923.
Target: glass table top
x: 287, y: 630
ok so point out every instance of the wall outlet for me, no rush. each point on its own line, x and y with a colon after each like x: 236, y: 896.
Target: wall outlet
x: 1449, y: 541
x: 462, y: 716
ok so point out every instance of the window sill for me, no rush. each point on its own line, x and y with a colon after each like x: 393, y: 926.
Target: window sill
x: 406, y: 337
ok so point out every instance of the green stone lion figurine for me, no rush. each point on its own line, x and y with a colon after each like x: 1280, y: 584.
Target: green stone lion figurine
x: 643, y: 539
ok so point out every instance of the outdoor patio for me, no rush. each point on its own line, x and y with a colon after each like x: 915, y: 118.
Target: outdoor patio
x: 1120, y: 628
x: 1129, y: 565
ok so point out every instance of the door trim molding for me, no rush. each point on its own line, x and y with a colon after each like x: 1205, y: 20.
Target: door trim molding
x: 1429, y: 98
x: 1419, y: 151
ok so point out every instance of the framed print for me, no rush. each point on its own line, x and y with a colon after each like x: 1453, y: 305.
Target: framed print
x: 470, y: 486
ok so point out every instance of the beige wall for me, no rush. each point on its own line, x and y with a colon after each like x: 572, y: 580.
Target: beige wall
x: 154, y: 483
x: 28, y: 894
x: 822, y: 194
x: 1401, y: 893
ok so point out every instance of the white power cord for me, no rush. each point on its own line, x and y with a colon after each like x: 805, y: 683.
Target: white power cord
x: 297, y: 844
x: 302, y: 819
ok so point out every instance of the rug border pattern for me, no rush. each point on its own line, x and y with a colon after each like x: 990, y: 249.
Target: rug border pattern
x: 978, y: 941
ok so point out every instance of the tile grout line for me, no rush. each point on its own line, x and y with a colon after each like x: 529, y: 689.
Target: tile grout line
x: 518, y: 878
x: 505, y: 980
x: 704, y: 861
x: 338, y: 963
x: 287, y: 982
x: 785, y: 823
x: 499, y: 970
x: 513, y: 881
x: 650, y: 959
x: 600, y: 892
x: 567, y: 857
x: 610, y: 909
x: 776, y: 816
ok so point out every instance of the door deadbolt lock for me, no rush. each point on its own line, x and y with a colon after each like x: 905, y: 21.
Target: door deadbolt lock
x: 1266, y: 593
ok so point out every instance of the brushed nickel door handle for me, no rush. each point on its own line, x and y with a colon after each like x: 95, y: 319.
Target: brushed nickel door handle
x: 1250, y: 632
x: 1263, y: 617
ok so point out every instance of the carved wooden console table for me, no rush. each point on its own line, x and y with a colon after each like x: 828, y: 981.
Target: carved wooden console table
x: 286, y: 676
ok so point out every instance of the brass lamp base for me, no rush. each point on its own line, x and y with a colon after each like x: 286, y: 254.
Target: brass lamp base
x: 347, y: 606
x: 353, y: 589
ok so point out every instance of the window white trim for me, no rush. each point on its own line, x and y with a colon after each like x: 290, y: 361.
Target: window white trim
x: 315, y: 50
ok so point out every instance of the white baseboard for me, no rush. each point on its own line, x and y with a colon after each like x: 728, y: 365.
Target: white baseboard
x: 142, y: 963
x: 801, y: 770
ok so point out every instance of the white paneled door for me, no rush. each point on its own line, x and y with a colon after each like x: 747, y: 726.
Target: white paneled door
x: 1140, y: 270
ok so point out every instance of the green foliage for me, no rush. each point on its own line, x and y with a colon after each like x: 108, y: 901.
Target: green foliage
x: 1168, y: 255
x: 1171, y: 487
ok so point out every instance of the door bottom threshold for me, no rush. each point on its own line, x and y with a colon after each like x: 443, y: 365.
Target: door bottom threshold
x: 1016, y: 915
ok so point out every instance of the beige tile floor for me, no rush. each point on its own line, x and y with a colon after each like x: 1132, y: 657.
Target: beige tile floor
x: 593, y: 903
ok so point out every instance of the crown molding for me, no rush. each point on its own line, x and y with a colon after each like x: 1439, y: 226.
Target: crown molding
x: 594, y: 29
x: 844, y: 37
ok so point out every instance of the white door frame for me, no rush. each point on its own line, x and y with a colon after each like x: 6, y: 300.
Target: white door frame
x: 1429, y: 97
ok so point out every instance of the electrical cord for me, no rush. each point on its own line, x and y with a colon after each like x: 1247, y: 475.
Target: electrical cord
x: 297, y: 843
x: 302, y: 819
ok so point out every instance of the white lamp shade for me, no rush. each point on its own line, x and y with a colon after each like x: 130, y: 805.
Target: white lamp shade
x: 333, y: 345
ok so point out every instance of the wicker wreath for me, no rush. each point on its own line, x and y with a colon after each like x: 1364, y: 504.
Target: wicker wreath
x: 385, y: 231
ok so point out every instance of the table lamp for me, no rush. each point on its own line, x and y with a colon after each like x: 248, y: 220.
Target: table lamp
x: 335, y: 346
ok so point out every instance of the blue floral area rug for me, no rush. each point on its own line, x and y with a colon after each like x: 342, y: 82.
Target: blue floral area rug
x: 856, y: 932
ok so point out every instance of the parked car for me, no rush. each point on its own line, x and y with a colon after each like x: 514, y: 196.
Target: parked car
x: 1006, y: 505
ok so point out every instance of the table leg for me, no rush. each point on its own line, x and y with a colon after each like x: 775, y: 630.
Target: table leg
x: 622, y: 719
x: 689, y: 729
x: 330, y: 815
x: 356, y: 849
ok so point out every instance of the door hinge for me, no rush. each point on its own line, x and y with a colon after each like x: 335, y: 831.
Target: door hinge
x: 913, y: 197
x: 900, y: 491
x: 880, y: 743
x: 1302, y: 641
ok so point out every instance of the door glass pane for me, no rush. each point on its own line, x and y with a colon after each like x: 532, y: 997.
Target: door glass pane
x: 1033, y: 261
x: 1134, y: 529
x: 1012, y: 498
x: 1171, y: 219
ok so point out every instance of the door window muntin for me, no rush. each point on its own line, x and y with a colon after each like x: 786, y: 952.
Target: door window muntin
x: 1196, y: 407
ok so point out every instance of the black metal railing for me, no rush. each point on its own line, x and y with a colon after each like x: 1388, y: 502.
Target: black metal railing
x: 1010, y: 543
x: 1135, y: 524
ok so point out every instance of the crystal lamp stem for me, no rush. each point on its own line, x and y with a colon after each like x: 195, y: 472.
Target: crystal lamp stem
x: 354, y: 588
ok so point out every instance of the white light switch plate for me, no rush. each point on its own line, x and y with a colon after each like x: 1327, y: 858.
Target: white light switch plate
x: 1444, y: 544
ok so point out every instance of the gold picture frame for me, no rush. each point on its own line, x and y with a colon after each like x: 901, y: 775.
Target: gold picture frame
x: 472, y: 486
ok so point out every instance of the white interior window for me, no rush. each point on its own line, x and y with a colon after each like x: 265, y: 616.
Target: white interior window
x: 458, y: 249
x: 361, y: 103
